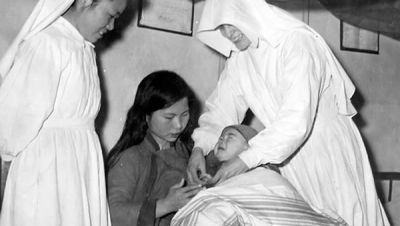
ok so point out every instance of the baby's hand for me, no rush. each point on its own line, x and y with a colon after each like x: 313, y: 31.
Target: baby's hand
x: 205, y: 177
x: 206, y: 181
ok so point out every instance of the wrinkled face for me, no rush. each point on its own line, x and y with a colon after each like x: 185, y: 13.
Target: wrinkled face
x: 230, y: 144
x: 240, y: 40
x: 167, y: 124
x: 98, y: 18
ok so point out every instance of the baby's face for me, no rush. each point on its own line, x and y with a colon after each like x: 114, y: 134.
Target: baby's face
x: 230, y: 144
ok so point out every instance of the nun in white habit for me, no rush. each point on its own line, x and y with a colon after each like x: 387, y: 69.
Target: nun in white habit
x: 49, y: 98
x: 286, y: 74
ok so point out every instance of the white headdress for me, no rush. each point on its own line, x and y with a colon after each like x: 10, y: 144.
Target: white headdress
x: 44, y: 13
x: 259, y: 20
x: 255, y: 18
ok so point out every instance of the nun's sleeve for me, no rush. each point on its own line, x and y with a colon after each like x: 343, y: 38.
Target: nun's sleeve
x: 304, y: 73
x: 224, y: 107
x: 28, y: 93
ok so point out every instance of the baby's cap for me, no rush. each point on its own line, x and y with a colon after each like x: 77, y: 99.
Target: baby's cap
x: 246, y: 131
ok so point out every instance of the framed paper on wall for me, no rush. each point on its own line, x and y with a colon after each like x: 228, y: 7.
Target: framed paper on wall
x: 174, y: 16
x: 353, y: 38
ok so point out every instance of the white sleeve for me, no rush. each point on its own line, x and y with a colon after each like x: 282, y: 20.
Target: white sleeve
x: 224, y: 107
x: 296, y: 114
x: 27, y: 94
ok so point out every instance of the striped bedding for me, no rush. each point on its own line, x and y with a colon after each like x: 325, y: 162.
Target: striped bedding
x: 250, y: 205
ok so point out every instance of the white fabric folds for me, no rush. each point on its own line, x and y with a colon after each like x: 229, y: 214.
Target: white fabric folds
x: 49, y: 99
x: 294, y: 85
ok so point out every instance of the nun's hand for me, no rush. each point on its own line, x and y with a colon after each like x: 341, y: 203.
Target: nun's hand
x: 229, y: 169
x: 196, y: 168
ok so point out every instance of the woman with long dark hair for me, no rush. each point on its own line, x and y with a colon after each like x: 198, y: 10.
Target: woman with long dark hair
x: 147, y: 165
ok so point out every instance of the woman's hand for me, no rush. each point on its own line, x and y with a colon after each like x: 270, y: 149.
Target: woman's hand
x: 196, y: 168
x: 229, y: 169
x: 176, y: 198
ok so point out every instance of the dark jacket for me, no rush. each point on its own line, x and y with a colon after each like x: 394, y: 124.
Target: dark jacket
x: 127, y: 181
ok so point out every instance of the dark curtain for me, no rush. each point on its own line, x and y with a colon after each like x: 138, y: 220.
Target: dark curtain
x: 376, y: 15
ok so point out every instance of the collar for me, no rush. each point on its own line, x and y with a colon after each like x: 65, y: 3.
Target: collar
x: 149, y: 139
x: 73, y: 31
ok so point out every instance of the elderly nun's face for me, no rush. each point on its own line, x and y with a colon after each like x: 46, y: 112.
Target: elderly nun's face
x: 240, y: 40
x: 98, y: 17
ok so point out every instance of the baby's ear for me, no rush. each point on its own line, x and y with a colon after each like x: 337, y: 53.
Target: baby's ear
x: 83, y: 3
x: 87, y: 3
x: 246, y: 146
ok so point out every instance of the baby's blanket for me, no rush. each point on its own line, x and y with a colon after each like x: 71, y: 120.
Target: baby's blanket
x: 236, y: 203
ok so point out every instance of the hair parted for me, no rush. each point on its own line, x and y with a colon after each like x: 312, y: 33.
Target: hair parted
x: 158, y: 90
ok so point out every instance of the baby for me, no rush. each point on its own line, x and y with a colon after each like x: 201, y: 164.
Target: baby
x: 260, y: 196
x: 233, y: 140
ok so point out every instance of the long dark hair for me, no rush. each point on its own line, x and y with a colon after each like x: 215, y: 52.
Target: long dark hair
x: 156, y: 91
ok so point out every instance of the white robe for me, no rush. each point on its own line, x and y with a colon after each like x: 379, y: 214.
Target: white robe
x: 295, y: 86
x: 48, y: 103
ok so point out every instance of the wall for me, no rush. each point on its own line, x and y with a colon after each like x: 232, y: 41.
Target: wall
x: 140, y: 51
x: 13, y: 13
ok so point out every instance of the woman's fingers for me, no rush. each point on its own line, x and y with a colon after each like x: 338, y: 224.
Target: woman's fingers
x: 190, y: 178
x: 191, y: 188
x: 189, y: 192
x: 196, y: 166
x: 193, y: 175
x: 205, y: 178
x: 217, y: 177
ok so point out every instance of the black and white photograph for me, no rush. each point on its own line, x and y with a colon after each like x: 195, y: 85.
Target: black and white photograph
x: 199, y: 112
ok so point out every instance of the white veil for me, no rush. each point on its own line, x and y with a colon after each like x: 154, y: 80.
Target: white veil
x: 259, y: 20
x: 44, y: 13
